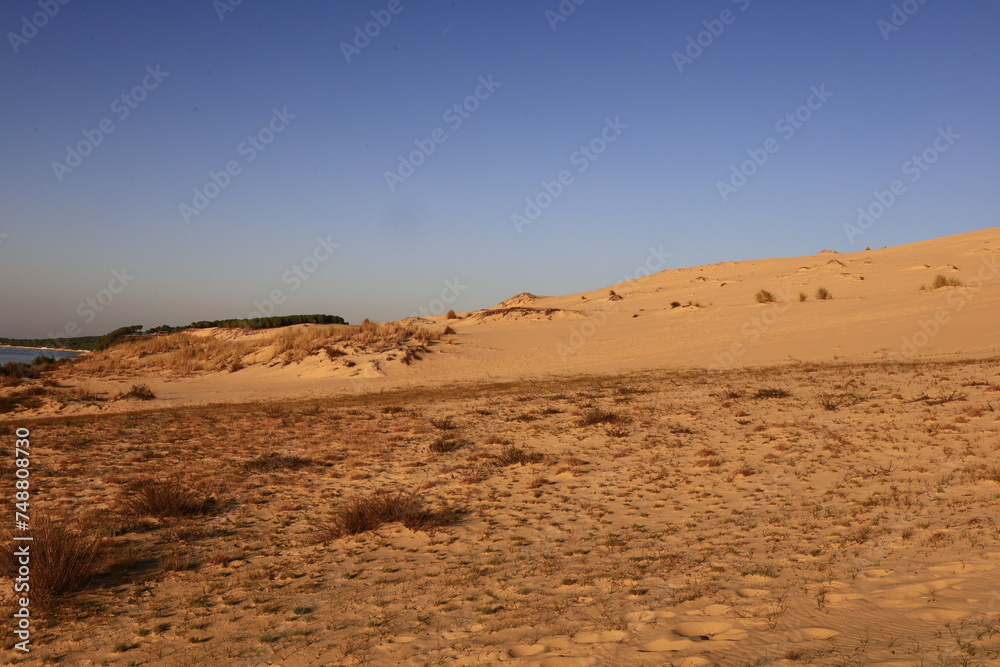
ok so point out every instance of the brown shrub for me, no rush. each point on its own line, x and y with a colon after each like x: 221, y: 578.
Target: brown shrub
x: 274, y: 461
x: 361, y: 514
x: 65, y: 557
x: 601, y: 416
x: 511, y: 455
x: 168, y: 497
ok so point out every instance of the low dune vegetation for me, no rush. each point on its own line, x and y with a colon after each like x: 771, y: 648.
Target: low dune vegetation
x: 187, y: 353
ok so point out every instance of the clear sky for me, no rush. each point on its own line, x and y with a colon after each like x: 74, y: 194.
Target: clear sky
x: 115, y: 113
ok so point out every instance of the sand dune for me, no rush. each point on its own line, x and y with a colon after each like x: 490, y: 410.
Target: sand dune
x: 661, y: 472
x: 882, y: 308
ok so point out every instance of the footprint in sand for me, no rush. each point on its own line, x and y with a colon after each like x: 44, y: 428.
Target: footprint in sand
x: 561, y: 661
x: 526, y: 651
x: 916, y: 590
x: 937, y: 614
x: 600, y: 637
x: 665, y: 644
x: 752, y: 592
x: 809, y: 634
x: 647, y: 616
x: 709, y: 631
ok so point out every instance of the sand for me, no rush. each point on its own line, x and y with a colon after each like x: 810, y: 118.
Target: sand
x: 825, y: 494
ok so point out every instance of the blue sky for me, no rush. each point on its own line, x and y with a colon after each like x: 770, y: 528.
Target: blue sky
x: 311, y: 219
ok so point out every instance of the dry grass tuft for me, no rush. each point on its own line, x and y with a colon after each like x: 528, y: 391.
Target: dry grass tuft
x: 601, y: 416
x: 274, y: 461
x: 27, y: 398
x: 65, y: 557
x: 511, y: 455
x: 362, y: 514
x: 162, y: 498
x: 764, y: 296
x: 771, y: 392
x: 139, y: 391
x: 443, y: 445
x: 943, y: 281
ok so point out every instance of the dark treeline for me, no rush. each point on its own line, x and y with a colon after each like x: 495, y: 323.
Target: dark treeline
x: 254, y: 323
x: 98, y: 343
x: 92, y: 343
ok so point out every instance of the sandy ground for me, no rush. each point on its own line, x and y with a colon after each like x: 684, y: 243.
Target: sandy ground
x: 728, y: 483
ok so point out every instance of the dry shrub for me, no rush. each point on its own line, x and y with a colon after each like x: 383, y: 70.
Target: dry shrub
x: 168, y: 497
x: 764, y: 296
x: 943, y: 281
x: 140, y: 391
x: 601, y: 416
x: 771, y: 392
x: 443, y: 445
x: 179, y: 561
x: 26, y: 398
x: 275, y: 461
x: 444, y: 423
x: 361, y: 514
x: 511, y: 455
x: 981, y: 472
x: 65, y: 557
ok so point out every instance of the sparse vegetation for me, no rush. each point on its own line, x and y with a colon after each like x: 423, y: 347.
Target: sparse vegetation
x: 770, y: 392
x: 764, y: 296
x: 138, y: 391
x: 710, y: 487
x: 170, y: 497
x: 65, y: 557
x: 273, y: 461
x: 944, y: 281
x: 511, y: 455
x: 601, y: 416
x: 365, y: 513
x: 823, y: 294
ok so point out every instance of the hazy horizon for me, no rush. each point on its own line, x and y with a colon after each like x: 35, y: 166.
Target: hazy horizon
x: 195, y: 161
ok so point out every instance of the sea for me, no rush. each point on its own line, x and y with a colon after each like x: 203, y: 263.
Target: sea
x: 24, y: 355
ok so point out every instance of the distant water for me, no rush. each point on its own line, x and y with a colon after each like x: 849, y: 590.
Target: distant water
x: 24, y: 356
